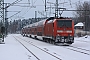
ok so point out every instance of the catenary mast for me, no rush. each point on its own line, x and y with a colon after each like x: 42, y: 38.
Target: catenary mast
x: 56, y: 9
x: 2, y: 11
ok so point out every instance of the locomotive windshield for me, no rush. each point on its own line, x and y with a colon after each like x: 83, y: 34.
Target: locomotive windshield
x: 64, y: 23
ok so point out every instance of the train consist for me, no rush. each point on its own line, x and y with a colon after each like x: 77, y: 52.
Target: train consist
x: 52, y: 30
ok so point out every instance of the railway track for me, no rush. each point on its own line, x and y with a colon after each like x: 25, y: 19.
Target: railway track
x: 77, y: 49
x: 56, y: 55
x: 29, y: 42
x: 84, y: 41
x: 80, y: 50
x: 27, y: 49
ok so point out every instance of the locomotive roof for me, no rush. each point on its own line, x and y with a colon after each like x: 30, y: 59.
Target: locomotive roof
x: 51, y: 18
x: 43, y: 21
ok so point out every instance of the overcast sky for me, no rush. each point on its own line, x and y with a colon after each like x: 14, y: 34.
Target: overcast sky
x: 28, y: 12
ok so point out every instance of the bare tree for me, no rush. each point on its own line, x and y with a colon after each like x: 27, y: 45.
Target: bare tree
x: 82, y: 10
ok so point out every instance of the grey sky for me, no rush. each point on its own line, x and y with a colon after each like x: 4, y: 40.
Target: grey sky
x: 28, y: 12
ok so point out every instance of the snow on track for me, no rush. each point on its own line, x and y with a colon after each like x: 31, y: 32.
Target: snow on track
x: 52, y: 49
x: 40, y: 52
x: 28, y: 49
x: 13, y: 50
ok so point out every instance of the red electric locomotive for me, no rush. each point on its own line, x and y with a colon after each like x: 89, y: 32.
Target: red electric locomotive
x: 55, y: 30
x: 59, y: 30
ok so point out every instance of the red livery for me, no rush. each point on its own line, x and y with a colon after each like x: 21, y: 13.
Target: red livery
x: 52, y: 30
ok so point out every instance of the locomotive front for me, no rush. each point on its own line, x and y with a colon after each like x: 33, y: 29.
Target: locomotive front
x: 64, y: 31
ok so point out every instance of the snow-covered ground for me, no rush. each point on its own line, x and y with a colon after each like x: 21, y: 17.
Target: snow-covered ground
x: 17, y: 47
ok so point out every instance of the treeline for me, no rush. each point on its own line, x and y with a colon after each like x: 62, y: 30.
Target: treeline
x: 16, y: 25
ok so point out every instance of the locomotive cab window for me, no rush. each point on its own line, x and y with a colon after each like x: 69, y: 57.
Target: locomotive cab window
x: 64, y: 23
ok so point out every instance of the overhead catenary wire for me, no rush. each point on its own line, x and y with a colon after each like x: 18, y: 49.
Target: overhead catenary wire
x: 12, y: 11
x: 12, y: 4
x: 22, y: 6
x: 17, y: 1
x: 31, y: 4
x: 15, y: 14
x: 28, y: 9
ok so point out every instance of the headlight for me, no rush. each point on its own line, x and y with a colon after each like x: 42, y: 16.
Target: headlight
x: 59, y: 31
x: 69, y: 31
